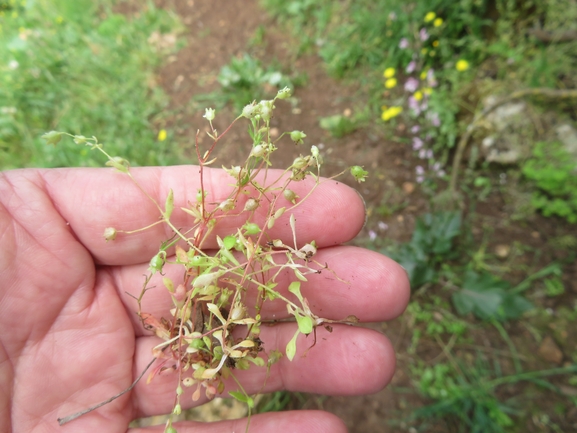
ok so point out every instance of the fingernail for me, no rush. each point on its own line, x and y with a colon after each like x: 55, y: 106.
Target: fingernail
x: 364, y: 207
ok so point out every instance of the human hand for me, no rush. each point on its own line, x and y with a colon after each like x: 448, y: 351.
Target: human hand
x: 70, y: 336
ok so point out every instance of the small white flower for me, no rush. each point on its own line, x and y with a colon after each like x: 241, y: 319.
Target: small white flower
x: 209, y: 114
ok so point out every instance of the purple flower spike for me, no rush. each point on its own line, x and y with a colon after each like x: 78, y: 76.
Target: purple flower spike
x: 423, y: 34
x: 411, y: 84
x: 417, y: 143
x: 411, y: 67
x: 414, y: 105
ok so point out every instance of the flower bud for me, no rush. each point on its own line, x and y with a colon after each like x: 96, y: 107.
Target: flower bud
x: 52, y: 137
x: 109, y: 234
x: 297, y: 137
x: 209, y: 114
x: 251, y: 204
x: 157, y: 262
x: 315, y: 151
x: 290, y: 195
x: 233, y: 171
x: 359, y: 174
x: 298, y: 174
x: 251, y: 228
x: 238, y: 312
x: 265, y: 110
x: 227, y: 205
x: 249, y: 111
x: 284, y: 93
x: 300, y: 162
x: 259, y: 150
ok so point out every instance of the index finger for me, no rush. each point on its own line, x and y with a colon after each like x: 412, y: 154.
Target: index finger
x: 91, y: 200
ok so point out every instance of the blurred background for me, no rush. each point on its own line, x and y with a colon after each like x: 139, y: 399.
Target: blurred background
x: 464, y: 112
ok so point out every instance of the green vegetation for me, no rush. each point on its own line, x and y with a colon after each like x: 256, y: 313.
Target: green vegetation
x: 430, y: 247
x: 244, y: 80
x: 552, y: 169
x: 466, y: 394
x: 429, y: 67
x: 79, y: 66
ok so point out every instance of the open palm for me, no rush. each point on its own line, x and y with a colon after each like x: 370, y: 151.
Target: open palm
x: 69, y: 334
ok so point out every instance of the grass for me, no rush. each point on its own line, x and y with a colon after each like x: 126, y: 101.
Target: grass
x: 82, y: 68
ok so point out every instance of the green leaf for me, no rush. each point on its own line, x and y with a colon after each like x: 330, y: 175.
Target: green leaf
x: 213, y: 308
x: 514, y: 306
x: 243, y: 398
x: 291, y: 347
x: 256, y: 361
x: 488, y: 298
x: 169, y: 205
x: 295, y: 287
x: 299, y: 275
x: 305, y: 324
x: 484, y: 305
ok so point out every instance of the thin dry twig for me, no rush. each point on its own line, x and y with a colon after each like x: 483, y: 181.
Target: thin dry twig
x: 552, y: 37
x: 67, y: 419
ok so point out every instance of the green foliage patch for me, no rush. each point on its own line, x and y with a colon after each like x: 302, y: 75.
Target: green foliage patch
x: 430, y: 246
x: 489, y: 298
x: 553, y: 171
x: 245, y: 79
x: 80, y: 66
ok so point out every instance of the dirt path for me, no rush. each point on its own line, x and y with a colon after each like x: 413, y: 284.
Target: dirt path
x: 217, y: 30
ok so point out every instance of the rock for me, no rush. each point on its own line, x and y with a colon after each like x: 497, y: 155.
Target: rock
x: 408, y: 187
x: 549, y: 351
x: 502, y: 251
x: 568, y: 136
x: 509, y: 129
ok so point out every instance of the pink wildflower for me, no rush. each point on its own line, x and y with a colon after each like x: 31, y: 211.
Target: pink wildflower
x: 411, y: 84
x: 411, y: 67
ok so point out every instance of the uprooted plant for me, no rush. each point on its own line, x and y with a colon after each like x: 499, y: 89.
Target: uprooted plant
x: 212, y: 329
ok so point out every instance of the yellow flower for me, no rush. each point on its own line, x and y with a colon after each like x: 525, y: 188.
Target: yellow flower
x: 391, y: 112
x: 424, y: 51
x: 389, y: 73
x: 438, y: 22
x: 162, y: 135
x: 430, y: 17
x: 418, y: 95
x: 424, y: 74
x: 462, y: 65
x: 435, y: 44
x: 427, y: 90
x: 390, y: 83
